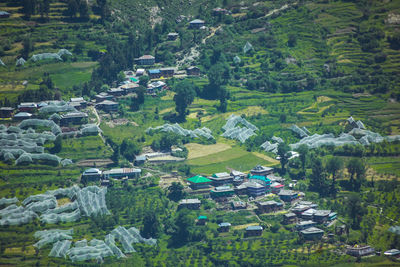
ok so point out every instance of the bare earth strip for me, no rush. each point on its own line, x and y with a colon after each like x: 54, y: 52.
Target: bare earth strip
x: 198, y: 150
x: 267, y: 158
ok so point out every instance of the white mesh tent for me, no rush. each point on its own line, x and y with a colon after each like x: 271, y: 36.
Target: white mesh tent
x: 233, y: 131
x: 176, y: 128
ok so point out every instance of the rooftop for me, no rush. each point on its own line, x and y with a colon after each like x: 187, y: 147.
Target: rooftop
x: 224, y: 224
x: 147, y: 57
x: 322, y: 213
x: 107, y: 102
x: 75, y: 115
x: 154, y: 71
x: 122, y: 171
x: 190, y: 201
x: 254, y: 228
x: 22, y: 114
x: 220, y: 174
x: 77, y: 99
x: 202, y: 217
x: 196, y: 21
x: 312, y: 230
x: 92, y: 171
x: 260, y: 168
x: 28, y: 104
x: 287, y: 193
x: 198, y: 179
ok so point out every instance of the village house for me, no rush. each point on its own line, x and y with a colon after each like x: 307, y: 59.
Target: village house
x: 129, y: 87
x: 193, y: 71
x: 154, y: 73
x: 238, y: 205
x: 261, y: 171
x: 199, y: 182
x: 321, y: 216
x: 78, y: 102
x: 219, y: 11
x: 221, y: 178
x: 102, y: 97
x: 254, y: 230
x: 261, y: 180
x: 167, y: 72
x: 288, y: 195
x: 224, y: 227
x: 192, y: 204
x: 120, y: 173
x: 27, y: 107
x: 140, y: 72
x: 304, y: 225
x: 73, y: 118
x: 115, y: 92
x: 289, y: 218
x: 392, y: 253
x: 108, y: 106
x: 268, y: 206
x: 276, y: 187
x: 308, y: 214
x: 222, y: 191
x: 196, y: 24
x: 311, y: 233
x: 92, y: 174
x: 140, y: 160
x: 202, y: 220
x: 172, y: 36
x: 360, y: 251
x: 22, y: 116
x: 6, y: 112
x: 155, y: 87
x: 255, y: 189
x: 145, y: 60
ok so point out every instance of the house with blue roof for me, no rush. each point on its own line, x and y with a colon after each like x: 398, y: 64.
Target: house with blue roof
x: 154, y: 73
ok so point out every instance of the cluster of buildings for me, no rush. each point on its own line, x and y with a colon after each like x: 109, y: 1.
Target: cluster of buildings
x: 258, y: 182
x: 261, y: 181
x: 29, y: 110
x: 94, y: 174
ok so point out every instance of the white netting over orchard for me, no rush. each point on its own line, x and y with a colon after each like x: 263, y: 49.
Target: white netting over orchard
x: 96, y: 249
x: 357, y: 136
x: 233, y: 131
x: 176, y: 128
x: 89, y: 201
x: 56, y: 56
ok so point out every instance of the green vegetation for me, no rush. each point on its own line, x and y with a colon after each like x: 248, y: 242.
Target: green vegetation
x: 313, y: 64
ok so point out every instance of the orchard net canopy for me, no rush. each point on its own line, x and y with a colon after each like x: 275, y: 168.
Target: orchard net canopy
x: 247, y: 47
x: 89, y: 201
x: 20, y: 62
x: 56, y: 56
x: 233, y: 131
x: 176, y: 128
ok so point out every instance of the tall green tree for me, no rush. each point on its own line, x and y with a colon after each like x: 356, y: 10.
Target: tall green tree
x: 318, y: 181
x: 129, y: 149
x: 356, y: 169
x: 176, y: 192
x: 72, y: 8
x: 151, y: 225
x: 83, y: 9
x: 283, y: 150
x: 303, y: 152
x: 333, y: 166
x: 27, y: 47
x: 185, y: 94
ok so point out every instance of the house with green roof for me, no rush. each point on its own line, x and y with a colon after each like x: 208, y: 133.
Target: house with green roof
x: 201, y: 220
x: 260, y: 180
x: 199, y: 182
